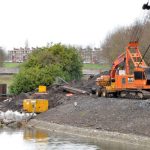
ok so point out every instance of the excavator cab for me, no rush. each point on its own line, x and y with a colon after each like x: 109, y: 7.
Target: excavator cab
x: 142, y: 78
x: 139, y: 74
x: 142, y: 74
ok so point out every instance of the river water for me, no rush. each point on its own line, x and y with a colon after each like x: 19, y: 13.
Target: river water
x: 33, y: 139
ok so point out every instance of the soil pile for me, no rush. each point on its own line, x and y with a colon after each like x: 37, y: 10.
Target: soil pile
x: 13, y: 103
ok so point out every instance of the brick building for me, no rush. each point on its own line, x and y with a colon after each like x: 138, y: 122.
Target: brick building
x: 90, y: 55
x: 19, y: 55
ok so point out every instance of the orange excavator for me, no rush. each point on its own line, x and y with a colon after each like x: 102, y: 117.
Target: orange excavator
x: 124, y: 80
x: 129, y: 75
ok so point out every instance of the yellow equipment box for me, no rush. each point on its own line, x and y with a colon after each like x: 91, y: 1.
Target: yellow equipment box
x: 42, y: 89
x: 35, y: 105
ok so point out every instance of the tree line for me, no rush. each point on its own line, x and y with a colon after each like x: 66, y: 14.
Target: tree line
x: 2, y: 56
x: 116, y: 42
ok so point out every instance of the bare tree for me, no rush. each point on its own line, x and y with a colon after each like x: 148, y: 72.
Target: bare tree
x: 116, y: 42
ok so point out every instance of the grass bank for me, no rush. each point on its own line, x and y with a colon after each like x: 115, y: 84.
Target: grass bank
x: 11, y: 65
x: 95, y: 66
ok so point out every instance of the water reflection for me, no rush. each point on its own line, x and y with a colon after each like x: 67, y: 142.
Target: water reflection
x: 31, y: 133
x: 33, y: 139
x: 44, y: 140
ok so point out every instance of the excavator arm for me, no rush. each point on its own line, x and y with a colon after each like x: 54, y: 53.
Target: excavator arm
x: 121, y: 59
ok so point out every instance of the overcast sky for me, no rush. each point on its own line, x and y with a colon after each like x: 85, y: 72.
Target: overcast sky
x: 77, y: 22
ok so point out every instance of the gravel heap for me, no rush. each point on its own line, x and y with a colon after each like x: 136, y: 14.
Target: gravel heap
x: 120, y: 115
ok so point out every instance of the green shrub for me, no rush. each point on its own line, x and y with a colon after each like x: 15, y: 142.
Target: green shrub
x: 44, y: 65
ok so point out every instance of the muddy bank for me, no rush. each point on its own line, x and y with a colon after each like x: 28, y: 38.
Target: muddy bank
x: 112, y: 137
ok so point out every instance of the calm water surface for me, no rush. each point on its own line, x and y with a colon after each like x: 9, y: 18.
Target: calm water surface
x: 32, y: 139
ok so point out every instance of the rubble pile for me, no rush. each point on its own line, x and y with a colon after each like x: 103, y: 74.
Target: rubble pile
x: 56, y: 94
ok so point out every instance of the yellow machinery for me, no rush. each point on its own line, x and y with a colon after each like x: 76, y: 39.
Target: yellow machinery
x: 38, y: 101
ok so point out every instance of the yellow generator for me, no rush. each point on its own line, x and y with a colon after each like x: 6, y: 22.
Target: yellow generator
x: 35, y: 105
x: 38, y: 102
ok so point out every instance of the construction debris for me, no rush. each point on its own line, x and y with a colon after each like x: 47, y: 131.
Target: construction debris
x: 73, y: 90
x: 13, y: 118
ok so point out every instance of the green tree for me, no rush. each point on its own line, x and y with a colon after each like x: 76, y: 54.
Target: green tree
x: 44, y: 65
x: 2, y: 56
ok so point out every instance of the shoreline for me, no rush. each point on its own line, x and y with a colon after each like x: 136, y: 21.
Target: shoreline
x: 97, y: 135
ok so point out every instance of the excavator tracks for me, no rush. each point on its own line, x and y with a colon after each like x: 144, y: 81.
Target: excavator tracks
x: 134, y: 94
x: 129, y: 94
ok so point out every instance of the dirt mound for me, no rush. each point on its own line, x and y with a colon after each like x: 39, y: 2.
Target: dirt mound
x: 55, y: 95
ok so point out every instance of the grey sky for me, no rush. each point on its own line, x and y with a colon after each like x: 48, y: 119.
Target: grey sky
x: 78, y: 22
